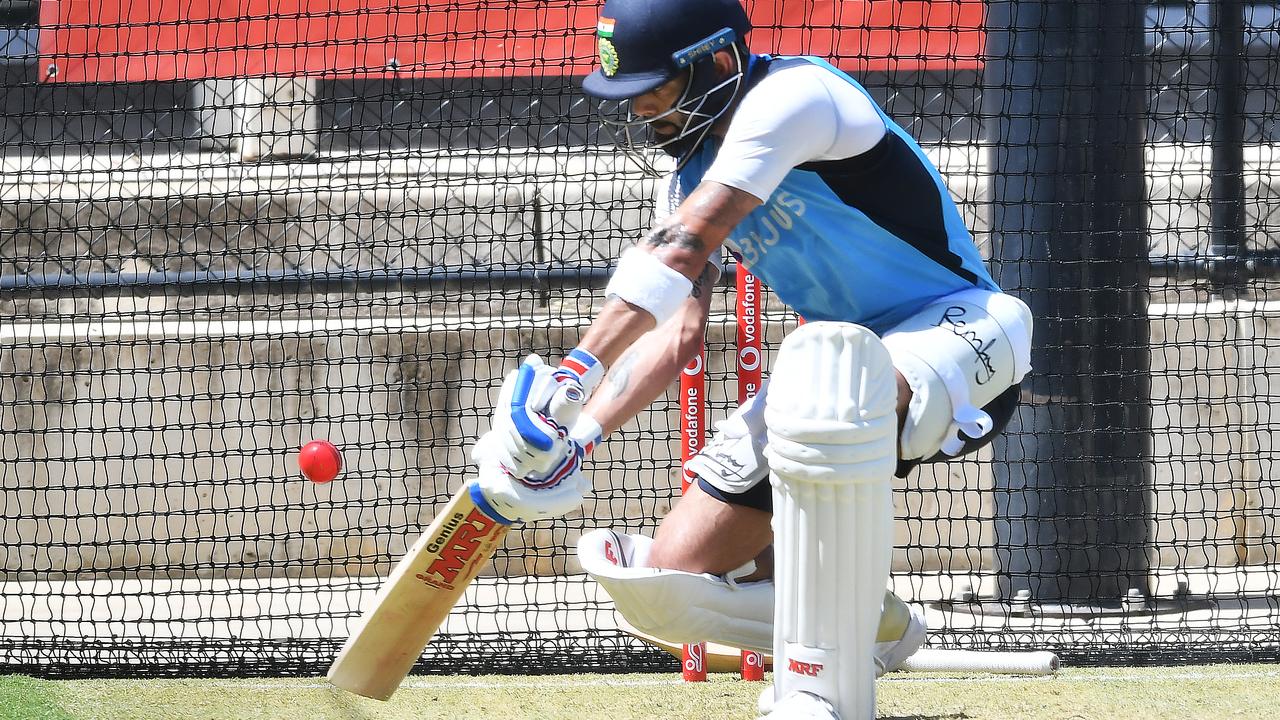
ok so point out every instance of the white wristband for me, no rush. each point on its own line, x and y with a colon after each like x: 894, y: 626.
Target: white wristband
x: 587, y: 433
x: 645, y: 281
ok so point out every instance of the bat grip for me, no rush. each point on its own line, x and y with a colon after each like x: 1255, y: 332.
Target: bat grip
x: 566, y: 404
x: 564, y: 407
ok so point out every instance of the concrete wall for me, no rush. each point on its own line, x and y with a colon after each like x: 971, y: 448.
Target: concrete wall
x: 153, y: 432
x: 1217, y: 487
x: 157, y: 448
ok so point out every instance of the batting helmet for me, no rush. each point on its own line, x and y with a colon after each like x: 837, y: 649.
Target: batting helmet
x: 646, y: 43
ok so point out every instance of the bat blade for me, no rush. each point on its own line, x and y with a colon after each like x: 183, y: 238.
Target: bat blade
x: 416, y: 598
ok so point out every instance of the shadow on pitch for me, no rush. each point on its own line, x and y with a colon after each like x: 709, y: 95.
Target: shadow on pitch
x: 345, y: 704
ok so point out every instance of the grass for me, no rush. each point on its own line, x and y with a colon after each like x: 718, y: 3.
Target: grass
x: 1190, y: 693
x: 27, y: 699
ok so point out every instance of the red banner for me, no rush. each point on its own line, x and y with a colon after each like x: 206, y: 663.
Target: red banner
x: 137, y: 40
x: 693, y: 420
x: 750, y: 354
x: 750, y: 358
x: 693, y: 412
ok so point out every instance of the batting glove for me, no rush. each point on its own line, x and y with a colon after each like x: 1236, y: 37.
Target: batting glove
x: 517, y: 499
x: 537, y: 404
x: 579, y: 369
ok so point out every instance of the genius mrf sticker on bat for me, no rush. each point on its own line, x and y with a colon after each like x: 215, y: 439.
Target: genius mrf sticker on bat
x: 460, y: 541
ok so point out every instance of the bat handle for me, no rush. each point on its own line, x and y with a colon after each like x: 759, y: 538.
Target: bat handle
x: 566, y: 404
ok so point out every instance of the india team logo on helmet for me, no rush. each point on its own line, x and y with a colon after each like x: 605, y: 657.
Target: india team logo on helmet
x: 608, y: 53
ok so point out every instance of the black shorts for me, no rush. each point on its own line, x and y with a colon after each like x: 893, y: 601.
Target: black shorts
x: 760, y: 496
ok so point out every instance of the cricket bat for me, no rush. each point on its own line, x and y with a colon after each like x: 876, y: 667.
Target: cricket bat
x: 417, y: 596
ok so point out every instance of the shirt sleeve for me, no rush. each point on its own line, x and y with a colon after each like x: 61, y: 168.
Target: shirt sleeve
x: 797, y: 114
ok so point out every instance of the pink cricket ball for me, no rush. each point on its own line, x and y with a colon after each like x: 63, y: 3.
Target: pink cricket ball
x: 320, y: 461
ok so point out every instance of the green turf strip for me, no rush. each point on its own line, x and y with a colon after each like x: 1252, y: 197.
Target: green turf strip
x: 24, y: 698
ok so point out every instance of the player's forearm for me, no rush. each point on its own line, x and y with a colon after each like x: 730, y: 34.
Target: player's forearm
x: 615, y: 328
x: 648, y: 367
x: 674, y: 253
x: 681, y: 248
x: 619, y: 324
x: 635, y: 380
x: 692, y: 234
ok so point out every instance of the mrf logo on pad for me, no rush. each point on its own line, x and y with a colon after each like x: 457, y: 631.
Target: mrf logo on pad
x: 459, y: 542
x: 808, y: 669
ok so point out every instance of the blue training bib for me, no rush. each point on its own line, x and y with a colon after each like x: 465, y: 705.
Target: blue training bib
x: 870, y: 239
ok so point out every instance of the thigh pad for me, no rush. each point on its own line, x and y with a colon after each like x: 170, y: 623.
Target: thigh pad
x: 959, y: 354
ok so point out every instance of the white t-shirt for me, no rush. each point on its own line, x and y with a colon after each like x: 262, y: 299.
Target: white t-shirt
x: 797, y: 113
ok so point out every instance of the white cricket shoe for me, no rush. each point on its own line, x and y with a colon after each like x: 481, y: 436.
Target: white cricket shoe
x: 891, y: 654
x: 799, y: 706
x: 764, y: 703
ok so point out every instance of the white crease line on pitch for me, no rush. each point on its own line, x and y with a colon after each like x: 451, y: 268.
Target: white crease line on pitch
x: 657, y: 682
x: 471, y: 684
x: 1083, y: 678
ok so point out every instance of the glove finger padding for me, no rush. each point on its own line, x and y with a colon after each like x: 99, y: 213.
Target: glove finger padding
x: 528, y: 406
x: 554, y: 394
x: 508, y: 443
x: 516, y: 501
x: 499, y: 448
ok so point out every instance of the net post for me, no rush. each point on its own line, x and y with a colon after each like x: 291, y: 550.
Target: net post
x: 749, y: 361
x: 693, y: 416
x: 1073, y: 469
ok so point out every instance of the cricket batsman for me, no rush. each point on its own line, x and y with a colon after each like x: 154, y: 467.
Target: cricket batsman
x: 910, y: 354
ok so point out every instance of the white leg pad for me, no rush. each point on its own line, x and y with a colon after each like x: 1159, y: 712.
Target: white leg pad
x: 674, y: 605
x: 832, y: 424
x: 801, y: 706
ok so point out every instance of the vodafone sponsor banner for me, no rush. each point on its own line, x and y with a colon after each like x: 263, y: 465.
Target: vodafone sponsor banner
x: 749, y: 377
x: 693, y: 412
x: 693, y: 417
x: 138, y: 40
x: 749, y: 352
